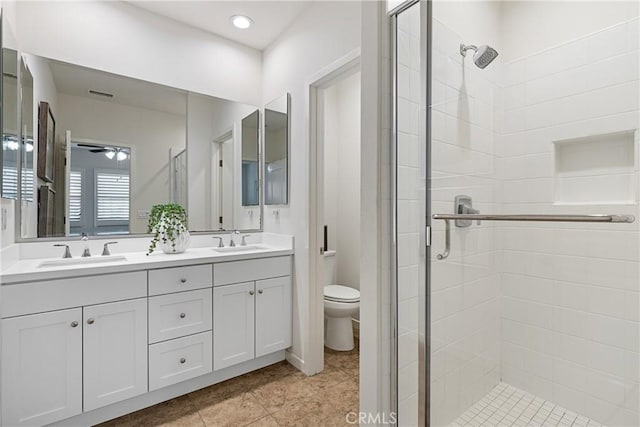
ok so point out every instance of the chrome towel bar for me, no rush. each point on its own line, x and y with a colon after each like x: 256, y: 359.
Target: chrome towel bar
x: 529, y: 218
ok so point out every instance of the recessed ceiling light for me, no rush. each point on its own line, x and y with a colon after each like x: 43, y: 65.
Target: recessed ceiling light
x: 241, y: 21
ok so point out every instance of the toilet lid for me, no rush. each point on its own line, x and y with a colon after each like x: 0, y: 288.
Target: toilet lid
x: 341, y: 293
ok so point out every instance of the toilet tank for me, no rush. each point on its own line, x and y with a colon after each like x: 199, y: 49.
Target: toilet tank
x: 330, y: 269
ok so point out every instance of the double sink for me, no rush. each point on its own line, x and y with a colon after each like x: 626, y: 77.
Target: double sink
x: 121, y: 258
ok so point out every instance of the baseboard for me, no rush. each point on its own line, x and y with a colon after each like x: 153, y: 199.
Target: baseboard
x: 297, y: 362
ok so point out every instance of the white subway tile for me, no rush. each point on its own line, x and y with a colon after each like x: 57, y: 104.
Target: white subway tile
x: 610, y: 42
x: 606, y: 358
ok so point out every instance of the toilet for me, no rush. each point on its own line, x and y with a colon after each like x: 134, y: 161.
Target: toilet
x: 340, y: 304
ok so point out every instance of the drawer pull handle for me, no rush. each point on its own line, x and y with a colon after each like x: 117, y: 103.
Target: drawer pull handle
x: 74, y: 324
x: 260, y: 291
x: 183, y: 360
x: 251, y: 292
x: 90, y: 320
x: 182, y: 315
x: 183, y: 280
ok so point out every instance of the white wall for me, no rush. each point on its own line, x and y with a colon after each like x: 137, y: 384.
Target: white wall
x: 150, y: 133
x: 342, y: 177
x: 123, y: 39
x: 323, y: 33
x: 570, y: 306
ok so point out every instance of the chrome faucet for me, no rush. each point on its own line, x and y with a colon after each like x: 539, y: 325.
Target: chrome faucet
x: 244, y: 242
x: 67, y: 251
x: 105, y: 248
x: 85, y: 241
x: 234, y: 232
x: 220, y: 242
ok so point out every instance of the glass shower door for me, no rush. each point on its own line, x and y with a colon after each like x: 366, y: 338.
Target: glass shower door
x: 529, y: 286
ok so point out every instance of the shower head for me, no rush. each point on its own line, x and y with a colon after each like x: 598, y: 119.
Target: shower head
x: 483, y: 56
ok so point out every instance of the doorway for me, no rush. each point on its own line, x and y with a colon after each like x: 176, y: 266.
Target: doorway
x: 335, y: 207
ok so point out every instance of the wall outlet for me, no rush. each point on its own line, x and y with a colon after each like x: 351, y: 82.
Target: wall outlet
x: 143, y: 214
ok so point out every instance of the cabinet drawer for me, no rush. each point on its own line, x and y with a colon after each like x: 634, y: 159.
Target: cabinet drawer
x: 178, y: 360
x: 254, y: 269
x: 167, y: 280
x: 49, y: 295
x: 179, y: 314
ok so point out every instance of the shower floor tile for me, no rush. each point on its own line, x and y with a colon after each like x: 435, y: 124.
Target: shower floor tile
x: 506, y: 405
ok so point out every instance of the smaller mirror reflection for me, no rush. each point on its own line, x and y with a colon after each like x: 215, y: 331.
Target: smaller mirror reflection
x: 250, y: 160
x: 276, y: 151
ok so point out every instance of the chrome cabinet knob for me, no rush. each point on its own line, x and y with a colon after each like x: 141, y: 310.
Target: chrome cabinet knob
x: 183, y: 360
x: 90, y: 320
x: 260, y: 291
x: 183, y: 280
x: 251, y: 292
x: 74, y: 324
x: 182, y: 315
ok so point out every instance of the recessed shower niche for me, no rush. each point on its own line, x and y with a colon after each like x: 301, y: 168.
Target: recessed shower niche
x: 597, y: 169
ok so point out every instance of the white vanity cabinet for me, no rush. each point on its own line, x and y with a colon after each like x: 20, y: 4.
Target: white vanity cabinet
x: 41, y: 367
x: 84, y: 352
x: 273, y: 315
x: 234, y: 320
x: 115, y: 352
x: 251, y: 318
x: 85, y: 349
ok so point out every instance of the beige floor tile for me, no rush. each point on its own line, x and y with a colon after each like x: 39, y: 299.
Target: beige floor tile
x: 278, y: 395
x: 267, y: 421
x: 238, y: 410
x: 178, y: 412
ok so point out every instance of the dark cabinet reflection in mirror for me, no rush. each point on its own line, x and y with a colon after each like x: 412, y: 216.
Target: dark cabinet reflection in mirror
x: 276, y: 151
x: 121, y: 146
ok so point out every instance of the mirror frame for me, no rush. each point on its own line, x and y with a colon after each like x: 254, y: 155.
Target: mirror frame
x: 287, y: 96
x: 18, y: 201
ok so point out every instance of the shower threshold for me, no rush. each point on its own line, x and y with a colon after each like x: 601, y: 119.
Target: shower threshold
x: 506, y: 405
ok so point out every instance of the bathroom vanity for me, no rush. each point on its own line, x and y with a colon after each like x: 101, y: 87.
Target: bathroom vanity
x: 86, y: 342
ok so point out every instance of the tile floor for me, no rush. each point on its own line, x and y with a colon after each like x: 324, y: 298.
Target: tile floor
x: 506, y: 405
x: 278, y: 395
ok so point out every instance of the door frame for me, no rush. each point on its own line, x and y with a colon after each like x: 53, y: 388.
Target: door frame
x: 331, y: 74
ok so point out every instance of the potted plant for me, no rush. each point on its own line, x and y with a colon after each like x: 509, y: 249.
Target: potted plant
x: 168, y: 224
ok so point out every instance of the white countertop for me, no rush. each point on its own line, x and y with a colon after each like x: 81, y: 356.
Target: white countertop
x: 29, y: 270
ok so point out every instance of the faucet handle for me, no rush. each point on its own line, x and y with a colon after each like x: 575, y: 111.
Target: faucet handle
x: 67, y: 251
x: 105, y: 248
x: 244, y: 242
x: 220, y: 241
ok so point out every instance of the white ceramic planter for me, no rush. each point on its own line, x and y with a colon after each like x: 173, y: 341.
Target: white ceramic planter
x: 182, y: 243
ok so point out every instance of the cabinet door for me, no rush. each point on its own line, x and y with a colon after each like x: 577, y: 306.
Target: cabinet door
x: 233, y: 324
x: 41, y: 367
x: 115, y: 352
x: 273, y: 315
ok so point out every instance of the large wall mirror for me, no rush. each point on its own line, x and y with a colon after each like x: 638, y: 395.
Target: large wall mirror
x: 276, y: 151
x: 10, y: 142
x: 114, y: 146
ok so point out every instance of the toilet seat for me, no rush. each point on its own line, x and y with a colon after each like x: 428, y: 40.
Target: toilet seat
x: 339, y: 293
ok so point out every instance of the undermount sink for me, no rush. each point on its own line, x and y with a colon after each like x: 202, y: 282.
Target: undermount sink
x: 245, y: 248
x: 81, y: 261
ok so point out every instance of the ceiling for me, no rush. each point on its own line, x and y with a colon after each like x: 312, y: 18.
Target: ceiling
x: 76, y: 80
x: 270, y: 18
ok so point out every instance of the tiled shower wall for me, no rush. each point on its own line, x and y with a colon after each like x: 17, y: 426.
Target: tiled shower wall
x: 570, y: 292
x: 465, y: 287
